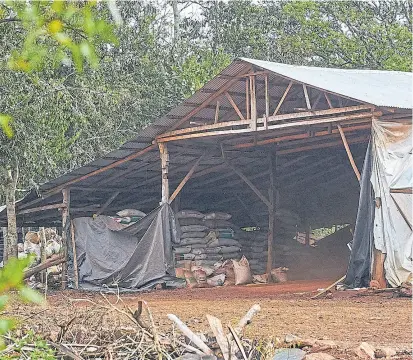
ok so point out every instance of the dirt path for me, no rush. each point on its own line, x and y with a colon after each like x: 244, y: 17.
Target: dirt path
x: 349, y: 318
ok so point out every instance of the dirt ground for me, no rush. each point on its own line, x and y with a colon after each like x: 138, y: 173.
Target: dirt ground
x: 349, y: 318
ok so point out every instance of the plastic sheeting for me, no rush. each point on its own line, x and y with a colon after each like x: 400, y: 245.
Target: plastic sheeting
x: 392, y: 159
x: 358, y: 272
x: 136, y: 257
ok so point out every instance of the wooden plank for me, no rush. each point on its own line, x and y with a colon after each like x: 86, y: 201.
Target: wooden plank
x: 65, y: 223
x: 323, y: 145
x: 328, y: 101
x: 217, y: 112
x: 99, y: 171
x: 402, y: 191
x: 185, y: 180
x: 107, y: 203
x: 75, y: 267
x: 274, y: 118
x: 218, y: 331
x: 349, y: 154
x: 378, y: 278
x: 234, y: 105
x: 317, y: 100
x: 267, y: 103
x: 299, y: 136
x: 253, y: 104
x: 283, y: 98
x: 307, y: 98
x: 41, y: 208
x: 297, y: 124
x: 251, y: 185
x: 247, y: 98
x: 163, y: 151
x: 328, y: 287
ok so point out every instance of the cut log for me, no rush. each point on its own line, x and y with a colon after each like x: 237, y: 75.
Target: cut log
x: 54, y: 260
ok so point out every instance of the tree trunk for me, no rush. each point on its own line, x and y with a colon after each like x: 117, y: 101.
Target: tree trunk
x: 177, y: 20
x: 11, y: 238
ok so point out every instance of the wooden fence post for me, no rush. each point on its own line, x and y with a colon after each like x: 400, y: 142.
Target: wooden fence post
x: 65, y: 227
x: 163, y: 151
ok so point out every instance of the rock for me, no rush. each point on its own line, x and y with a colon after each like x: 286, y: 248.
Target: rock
x: 291, y: 338
x: 385, y: 352
x: 91, y: 349
x: 319, y: 356
x: 308, y: 342
x: 327, y: 344
x: 365, y: 351
x: 289, y: 354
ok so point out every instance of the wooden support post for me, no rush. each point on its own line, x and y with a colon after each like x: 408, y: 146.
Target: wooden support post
x: 350, y: 156
x: 253, y: 104
x: 307, y: 98
x: 267, y: 102
x: 65, y: 225
x: 75, y: 267
x: 283, y: 98
x: 184, y: 180
x: 328, y: 101
x: 271, y: 215
x: 247, y: 98
x: 43, y: 257
x: 308, y: 235
x: 163, y: 150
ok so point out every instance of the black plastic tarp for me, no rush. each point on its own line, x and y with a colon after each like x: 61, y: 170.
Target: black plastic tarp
x: 136, y: 257
x: 359, y: 268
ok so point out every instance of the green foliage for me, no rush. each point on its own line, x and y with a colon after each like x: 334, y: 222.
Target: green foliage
x: 11, y: 278
x: 58, y: 32
x: 31, y: 346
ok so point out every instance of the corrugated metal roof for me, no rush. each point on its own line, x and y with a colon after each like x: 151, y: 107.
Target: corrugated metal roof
x: 377, y: 87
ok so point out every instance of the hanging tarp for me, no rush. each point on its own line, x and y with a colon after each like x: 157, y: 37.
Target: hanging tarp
x: 359, y: 268
x: 132, y: 258
x: 391, y: 171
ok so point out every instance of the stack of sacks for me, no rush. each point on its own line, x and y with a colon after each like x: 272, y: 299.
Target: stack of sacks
x: 128, y: 217
x: 205, y: 239
x: 192, y: 241
x: 254, y: 248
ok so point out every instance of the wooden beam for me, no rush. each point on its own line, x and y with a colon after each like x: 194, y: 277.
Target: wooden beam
x: 41, y: 208
x: 307, y: 99
x: 75, y: 267
x: 247, y: 98
x: 163, y: 151
x: 283, y: 98
x: 317, y: 100
x: 349, y: 154
x: 267, y: 103
x: 99, y: 171
x: 234, y: 105
x: 107, y: 203
x: 253, y: 125
x: 65, y: 225
x: 299, y: 136
x: 251, y: 185
x: 274, y: 118
x: 184, y: 180
x: 402, y: 191
x: 216, y: 119
x: 303, y: 123
x: 328, y: 101
x: 359, y: 139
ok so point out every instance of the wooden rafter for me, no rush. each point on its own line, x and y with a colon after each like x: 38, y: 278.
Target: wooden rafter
x: 41, y: 208
x: 251, y: 185
x: 216, y: 119
x: 283, y: 98
x: 107, y: 203
x: 184, y: 180
x: 348, y: 151
x: 307, y: 98
x: 234, y: 105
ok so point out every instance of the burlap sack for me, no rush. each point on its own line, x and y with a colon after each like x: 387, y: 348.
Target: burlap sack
x: 242, y: 271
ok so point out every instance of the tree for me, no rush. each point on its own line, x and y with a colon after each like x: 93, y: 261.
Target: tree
x: 39, y: 35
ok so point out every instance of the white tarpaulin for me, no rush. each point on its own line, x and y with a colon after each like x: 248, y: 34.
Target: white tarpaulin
x: 392, y: 171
